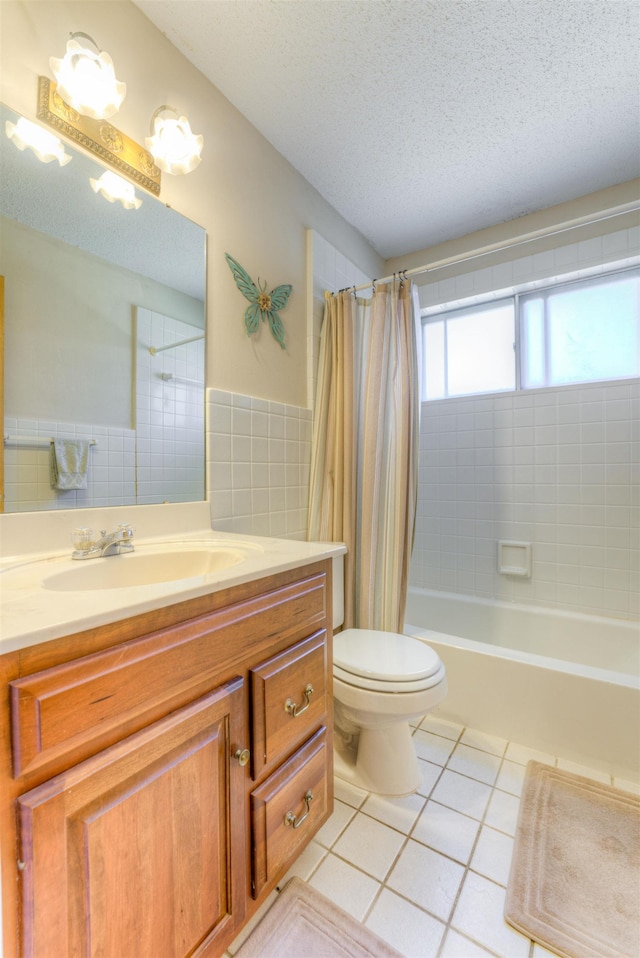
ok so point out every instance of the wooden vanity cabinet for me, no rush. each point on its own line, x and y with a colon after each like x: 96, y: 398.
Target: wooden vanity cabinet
x: 160, y: 775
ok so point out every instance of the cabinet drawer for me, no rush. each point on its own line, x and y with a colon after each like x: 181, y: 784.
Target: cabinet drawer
x: 289, y: 700
x: 288, y: 809
x: 69, y: 711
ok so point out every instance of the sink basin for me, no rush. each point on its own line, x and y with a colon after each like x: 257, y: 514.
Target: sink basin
x: 139, y: 569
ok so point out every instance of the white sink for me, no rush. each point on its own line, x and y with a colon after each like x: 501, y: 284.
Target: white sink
x: 139, y: 568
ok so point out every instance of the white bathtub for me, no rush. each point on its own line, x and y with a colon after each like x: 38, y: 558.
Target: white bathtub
x: 558, y: 681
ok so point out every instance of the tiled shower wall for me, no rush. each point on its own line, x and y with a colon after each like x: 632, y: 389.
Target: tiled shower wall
x: 559, y: 468
x: 169, y: 414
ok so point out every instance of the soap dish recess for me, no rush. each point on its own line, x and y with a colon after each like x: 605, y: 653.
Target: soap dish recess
x: 514, y: 558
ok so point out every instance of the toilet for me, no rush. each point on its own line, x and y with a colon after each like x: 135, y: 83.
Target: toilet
x: 381, y: 682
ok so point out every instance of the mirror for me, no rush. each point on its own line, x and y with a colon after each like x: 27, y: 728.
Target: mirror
x: 104, y: 337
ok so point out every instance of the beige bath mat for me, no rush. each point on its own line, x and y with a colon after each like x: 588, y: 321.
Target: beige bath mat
x: 575, y: 874
x: 302, y: 923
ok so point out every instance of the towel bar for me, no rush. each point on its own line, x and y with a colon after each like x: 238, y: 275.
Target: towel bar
x: 39, y: 440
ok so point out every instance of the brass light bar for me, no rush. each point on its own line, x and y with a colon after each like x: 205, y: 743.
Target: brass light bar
x: 98, y: 137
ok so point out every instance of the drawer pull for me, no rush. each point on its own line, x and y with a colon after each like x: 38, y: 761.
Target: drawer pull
x: 242, y: 754
x: 291, y: 707
x: 290, y: 818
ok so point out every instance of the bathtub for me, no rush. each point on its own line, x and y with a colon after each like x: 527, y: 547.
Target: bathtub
x: 561, y: 682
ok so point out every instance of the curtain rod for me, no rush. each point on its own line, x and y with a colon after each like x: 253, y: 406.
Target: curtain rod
x: 498, y: 247
x: 183, y: 342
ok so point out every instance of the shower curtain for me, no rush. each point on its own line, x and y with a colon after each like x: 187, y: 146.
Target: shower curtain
x: 364, y: 463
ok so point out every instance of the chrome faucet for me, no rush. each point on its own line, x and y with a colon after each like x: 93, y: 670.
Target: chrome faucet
x: 91, y: 545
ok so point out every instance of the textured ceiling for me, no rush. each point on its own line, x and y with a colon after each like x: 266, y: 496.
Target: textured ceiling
x: 421, y: 121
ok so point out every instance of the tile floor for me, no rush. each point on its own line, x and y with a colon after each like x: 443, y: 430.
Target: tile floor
x: 428, y: 872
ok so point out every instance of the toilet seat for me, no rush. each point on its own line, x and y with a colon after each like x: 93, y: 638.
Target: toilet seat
x: 385, y: 661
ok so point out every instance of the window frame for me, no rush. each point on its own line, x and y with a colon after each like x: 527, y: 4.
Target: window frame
x: 432, y: 314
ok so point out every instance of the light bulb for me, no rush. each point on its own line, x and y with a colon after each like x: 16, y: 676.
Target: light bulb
x: 173, y: 146
x: 27, y: 135
x: 116, y: 190
x: 86, y: 79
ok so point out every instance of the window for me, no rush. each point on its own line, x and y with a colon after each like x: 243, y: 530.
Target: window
x: 469, y: 351
x: 577, y: 332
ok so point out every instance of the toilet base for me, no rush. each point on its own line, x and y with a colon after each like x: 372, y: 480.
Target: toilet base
x: 384, y: 762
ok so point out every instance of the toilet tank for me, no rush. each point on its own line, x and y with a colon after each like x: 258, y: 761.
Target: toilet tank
x: 338, y: 590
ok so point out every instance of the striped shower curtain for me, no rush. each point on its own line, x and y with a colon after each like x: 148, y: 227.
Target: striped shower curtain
x: 364, y: 462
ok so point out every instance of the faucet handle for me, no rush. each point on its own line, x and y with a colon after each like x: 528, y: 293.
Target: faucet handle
x: 84, y: 538
x: 126, y: 529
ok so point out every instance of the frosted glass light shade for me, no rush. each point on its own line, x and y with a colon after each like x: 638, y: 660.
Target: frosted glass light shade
x: 46, y: 146
x: 173, y: 146
x: 86, y: 80
x: 116, y: 190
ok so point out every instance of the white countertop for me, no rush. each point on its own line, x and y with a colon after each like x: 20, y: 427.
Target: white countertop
x: 31, y: 613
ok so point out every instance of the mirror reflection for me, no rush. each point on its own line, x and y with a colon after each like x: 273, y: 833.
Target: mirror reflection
x: 104, y: 338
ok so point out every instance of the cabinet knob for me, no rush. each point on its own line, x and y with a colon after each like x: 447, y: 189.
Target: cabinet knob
x: 291, y: 819
x: 242, y: 754
x: 291, y: 707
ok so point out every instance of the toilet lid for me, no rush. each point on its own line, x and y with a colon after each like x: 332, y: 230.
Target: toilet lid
x: 386, y: 656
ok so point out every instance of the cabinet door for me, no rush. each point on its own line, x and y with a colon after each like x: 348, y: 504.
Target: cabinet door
x: 130, y: 853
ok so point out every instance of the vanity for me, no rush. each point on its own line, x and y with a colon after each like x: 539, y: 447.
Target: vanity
x: 166, y: 746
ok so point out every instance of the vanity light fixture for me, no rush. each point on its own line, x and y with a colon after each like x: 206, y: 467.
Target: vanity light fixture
x: 173, y: 146
x: 27, y: 135
x: 86, y: 78
x: 116, y: 190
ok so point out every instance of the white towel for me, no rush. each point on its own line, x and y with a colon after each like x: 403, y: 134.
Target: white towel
x: 69, y: 461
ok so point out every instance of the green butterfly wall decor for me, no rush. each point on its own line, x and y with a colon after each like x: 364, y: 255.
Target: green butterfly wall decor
x: 263, y: 304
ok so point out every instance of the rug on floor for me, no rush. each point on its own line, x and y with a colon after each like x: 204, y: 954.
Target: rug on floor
x: 302, y: 922
x: 574, y: 884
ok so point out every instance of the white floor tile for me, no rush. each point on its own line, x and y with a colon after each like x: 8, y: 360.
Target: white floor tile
x: 342, y: 815
x: 405, y: 927
x: 446, y: 831
x: 371, y: 844
x: 474, y: 763
x: 487, y: 743
x: 502, y: 812
x: 479, y: 914
x: 430, y: 775
x: 511, y: 777
x: 523, y: 754
x: 492, y: 855
x: 400, y: 813
x: 457, y: 946
x: 441, y: 727
x: 461, y: 815
x: 464, y: 794
x: 345, y: 885
x: 305, y: 864
x: 427, y: 878
x: 348, y: 793
x: 432, y: 748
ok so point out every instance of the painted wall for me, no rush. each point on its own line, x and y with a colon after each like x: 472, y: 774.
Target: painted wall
x: 249, y: 199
